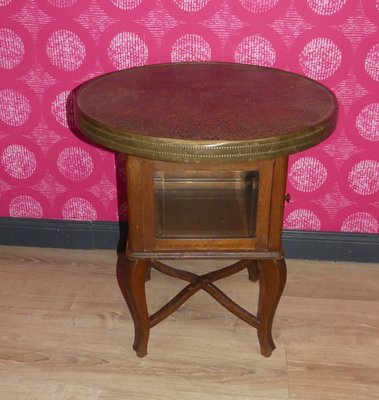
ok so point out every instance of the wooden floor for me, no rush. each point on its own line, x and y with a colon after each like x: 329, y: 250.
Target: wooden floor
x: 66, y: 334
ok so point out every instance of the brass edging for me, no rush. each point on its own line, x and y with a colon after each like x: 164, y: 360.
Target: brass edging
x: 164, y: 149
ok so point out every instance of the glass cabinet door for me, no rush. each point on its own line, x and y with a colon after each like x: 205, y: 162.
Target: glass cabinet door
x: 205, y: 204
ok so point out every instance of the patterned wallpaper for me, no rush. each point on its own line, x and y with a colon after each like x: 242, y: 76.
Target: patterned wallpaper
x: 48, y: 47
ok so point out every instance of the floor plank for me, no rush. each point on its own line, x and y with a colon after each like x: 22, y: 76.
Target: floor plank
x: 66, y: 334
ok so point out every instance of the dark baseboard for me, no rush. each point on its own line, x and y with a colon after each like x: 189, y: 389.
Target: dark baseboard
x: 62, y: 234
x: 333, y: 246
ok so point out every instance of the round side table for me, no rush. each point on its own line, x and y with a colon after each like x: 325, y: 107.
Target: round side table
x: 207, y: 147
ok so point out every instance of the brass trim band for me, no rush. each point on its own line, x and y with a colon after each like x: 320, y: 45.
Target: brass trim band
x: 164, y: 149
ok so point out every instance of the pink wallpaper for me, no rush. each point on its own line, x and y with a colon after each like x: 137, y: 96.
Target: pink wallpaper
x: 48, y: 47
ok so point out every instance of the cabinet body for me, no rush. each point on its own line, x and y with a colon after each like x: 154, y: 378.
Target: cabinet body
x: 204, y: 209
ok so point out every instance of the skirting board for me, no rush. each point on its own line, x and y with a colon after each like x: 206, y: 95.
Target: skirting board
x: 334, y: 246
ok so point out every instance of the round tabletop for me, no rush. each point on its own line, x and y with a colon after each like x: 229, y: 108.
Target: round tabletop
x: 205, y: 112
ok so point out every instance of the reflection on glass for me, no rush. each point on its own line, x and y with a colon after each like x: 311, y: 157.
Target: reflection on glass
x: 202, y: 204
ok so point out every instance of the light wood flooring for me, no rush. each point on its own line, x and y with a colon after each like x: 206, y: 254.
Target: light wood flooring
x: 66, y: 334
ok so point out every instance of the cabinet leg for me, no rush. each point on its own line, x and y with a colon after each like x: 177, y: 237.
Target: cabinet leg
x: 272, y: 279
x: 134, y: 275
x: 253, y: 270
x: 148, y: 273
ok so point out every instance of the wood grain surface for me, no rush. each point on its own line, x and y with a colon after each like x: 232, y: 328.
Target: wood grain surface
x: 65, y: 333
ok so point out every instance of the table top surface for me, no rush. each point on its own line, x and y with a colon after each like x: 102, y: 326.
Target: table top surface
x: 205, y: 112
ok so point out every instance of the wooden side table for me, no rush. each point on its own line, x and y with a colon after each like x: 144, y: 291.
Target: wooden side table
x: 207, y: 147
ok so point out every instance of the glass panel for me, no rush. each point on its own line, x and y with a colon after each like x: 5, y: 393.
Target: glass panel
x: 205, y: 204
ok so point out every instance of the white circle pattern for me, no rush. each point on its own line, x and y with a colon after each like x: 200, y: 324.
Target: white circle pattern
x: 48, y: 47
x: 191, y: 47
x: 75, y: 164
x: 127, y: 50
x: 320, y: 58
x: 303, y: 219
x: 367, y: 122
x: 78, y: 209
x: 25, y: 207
x: 12, y: 49
x: 364, y: 177
x: 191, y: 5
x: 15, y: 108
x: 66, y: 50
x: 126, y: 4
x: 257, y: 50
x: 258, y: 6
x: 63, y: 3
x: 372, y: 62
x: 362, y: 222
x: 59, y: 108
x: 18, y: 161
x: 326, y: 7
x: 307, y: 174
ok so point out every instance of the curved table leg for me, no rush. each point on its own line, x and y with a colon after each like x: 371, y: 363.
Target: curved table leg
x: 135, y: 276
x: 272, y: 279
x: 253, y: 270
